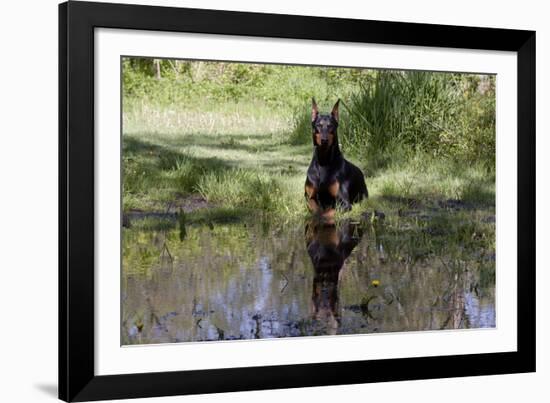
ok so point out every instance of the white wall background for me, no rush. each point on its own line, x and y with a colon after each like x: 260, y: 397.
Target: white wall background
x: 28, y: 201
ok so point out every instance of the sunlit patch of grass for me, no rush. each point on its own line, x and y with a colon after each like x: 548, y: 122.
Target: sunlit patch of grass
x: 211, y: 119
x: 426, y: 183
x: 435, y: 180
x: 233, y: 156
x: 253, y: 190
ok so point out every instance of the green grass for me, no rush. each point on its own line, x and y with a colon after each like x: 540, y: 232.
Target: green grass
x: 239, y: 165
x: 278, y: 86
x: 392, y: 116
x: 235, y: 157
x: 420, y: 138
x: 426, y: 178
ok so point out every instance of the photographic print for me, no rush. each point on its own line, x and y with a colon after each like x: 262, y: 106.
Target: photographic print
x: 253, y: 201
x: 265, y: 201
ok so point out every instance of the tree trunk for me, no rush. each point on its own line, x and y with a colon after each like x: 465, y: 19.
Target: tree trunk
x: 157, y: 68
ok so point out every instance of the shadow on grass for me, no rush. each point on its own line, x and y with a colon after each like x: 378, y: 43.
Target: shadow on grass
x: 475, y: 200
x: 154, y: 221
x: 220, y: 140
x: 235, y: 142
x: 286, y: 164
x: 157, y: 174
x: 165, y: 158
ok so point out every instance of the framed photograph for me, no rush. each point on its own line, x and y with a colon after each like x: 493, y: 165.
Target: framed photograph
x: 258, y: 201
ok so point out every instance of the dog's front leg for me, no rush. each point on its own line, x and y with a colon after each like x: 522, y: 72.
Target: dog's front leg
x: 311, y: 193
x: 343, y: 198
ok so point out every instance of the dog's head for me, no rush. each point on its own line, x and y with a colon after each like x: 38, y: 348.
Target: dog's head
x: 324, y: 127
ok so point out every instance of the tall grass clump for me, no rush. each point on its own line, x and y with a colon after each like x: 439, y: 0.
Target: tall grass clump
x: 393, y: 116
x: 251, y: 190
x: 301, y: 133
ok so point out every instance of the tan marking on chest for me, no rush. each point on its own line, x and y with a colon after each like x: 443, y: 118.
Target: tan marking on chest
x: 334, y: 188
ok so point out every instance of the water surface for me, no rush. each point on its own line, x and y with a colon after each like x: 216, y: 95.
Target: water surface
x: 259, y: 280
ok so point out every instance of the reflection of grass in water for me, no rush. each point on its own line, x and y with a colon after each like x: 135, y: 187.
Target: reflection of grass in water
x: 466, y: 234
x: 153, y: 224
x: 142, y: 248
x: 456, y: 235
x: 429, y: 262
x: 217, y: 215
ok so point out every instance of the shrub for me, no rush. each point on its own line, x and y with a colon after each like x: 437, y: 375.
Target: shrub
x: 394, y: 115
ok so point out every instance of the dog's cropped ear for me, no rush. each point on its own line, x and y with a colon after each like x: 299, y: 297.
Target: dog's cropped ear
x: 314, y: 110
x: 334, y: 112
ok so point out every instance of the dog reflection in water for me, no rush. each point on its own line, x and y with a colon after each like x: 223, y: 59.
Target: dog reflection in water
x: 328, y: 246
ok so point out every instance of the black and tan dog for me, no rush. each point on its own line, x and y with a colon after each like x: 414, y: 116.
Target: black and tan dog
x: 331, y: 180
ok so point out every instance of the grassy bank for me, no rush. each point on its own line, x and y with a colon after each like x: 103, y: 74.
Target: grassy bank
x: 234, y: 157
x: 239, y: 159
x: 222, y: 141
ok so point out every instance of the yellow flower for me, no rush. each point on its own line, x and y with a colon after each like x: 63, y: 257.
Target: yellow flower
x: 375, y: 283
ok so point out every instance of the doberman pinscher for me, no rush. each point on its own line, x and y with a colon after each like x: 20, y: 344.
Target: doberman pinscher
x: 331, y: 180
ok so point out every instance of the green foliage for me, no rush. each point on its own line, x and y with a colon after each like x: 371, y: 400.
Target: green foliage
x: 242, y: 188
x: 155, y: 173
x: 394, y: 115
x: 226, y: 147
x: 426, y: 177
x: 170, y: 82
x: 239, y: 134
x: 219, y: 156
x: 301, y: 133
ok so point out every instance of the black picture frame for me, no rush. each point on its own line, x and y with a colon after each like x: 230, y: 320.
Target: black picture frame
x: 77, y: 21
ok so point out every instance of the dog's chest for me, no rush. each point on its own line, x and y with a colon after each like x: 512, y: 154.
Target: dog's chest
x: 326, y: 178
